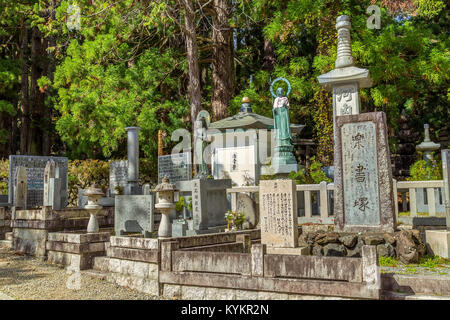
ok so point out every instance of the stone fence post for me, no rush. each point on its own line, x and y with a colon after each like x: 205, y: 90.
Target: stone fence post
x: 258, y: 251
x: 167, y: 247
x: 371, y: 272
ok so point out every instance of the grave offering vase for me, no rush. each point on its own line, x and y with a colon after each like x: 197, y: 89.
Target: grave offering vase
x: 165, y: 206
x: 93, y: 193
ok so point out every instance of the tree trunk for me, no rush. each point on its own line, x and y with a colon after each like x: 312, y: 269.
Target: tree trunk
x: 192, y: 57
x: 269, y: 56
x: 222, y: 59
x: 24, y: 95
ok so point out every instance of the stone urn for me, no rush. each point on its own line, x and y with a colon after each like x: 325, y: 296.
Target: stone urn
x: 94, y: 194
x: 166, y: 204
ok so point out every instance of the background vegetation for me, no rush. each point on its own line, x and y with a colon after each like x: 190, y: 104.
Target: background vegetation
x: 72, y: 91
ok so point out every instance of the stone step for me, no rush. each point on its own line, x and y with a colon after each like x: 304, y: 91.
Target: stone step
x: 6, y: 244
x: 9, y: 236
x: 101, y: 263
x: 416, y: 284
x: 389, y: 295
x: 95, y: 274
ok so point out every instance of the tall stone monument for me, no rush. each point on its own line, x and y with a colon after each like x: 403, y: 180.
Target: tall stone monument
x: 363, y: 175
x: 346, y: 79
x: 133, y: 160
x: 278, y: 213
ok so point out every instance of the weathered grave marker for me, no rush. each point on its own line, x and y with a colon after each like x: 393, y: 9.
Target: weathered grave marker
x: 363, y: 175
x: 134, y: 214
x: 177, y: 167
x: 35, y: 166
x: 278, y: 213
x: 118, y: 176
x: 20, y: 188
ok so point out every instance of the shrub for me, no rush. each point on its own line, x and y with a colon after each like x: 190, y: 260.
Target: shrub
x: 422, y: 170
x: 4, y: 172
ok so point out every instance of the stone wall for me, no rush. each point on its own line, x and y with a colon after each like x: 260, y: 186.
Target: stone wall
x: 406, y: 245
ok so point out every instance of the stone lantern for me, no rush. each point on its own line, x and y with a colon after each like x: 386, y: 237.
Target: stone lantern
x: 165, y: 205
x: 94, y: 194
x: 427, y: 146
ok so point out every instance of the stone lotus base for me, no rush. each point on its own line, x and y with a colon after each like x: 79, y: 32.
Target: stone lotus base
x: 439, y: 242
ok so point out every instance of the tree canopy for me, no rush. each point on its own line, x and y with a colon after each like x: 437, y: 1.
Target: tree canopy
x: 71, y: 86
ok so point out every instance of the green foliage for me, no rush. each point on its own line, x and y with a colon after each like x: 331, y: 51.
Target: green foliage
x: 314, y: 175
x: 83, y: 173
x: 422, y: 170
x: 387, y: 262
x: 234, y: 219
x: 184, y: 202
x: 4, y: 173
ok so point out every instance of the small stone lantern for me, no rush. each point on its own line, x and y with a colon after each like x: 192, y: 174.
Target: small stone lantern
x: 427, y: 146
x: 94, y: 194
x: 165, y: 205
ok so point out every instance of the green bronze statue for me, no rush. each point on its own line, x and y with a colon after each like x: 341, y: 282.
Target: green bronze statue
x: 283, y: 160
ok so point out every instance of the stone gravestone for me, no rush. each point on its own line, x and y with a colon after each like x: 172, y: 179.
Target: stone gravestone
x: 20, y: 188
x: 363, y: 175
x: 52, y: 186
x: 134, y: 214
x: 177, y: 167
x: 278, y: 213
x: 35, y: 166
x: 236, y: 163
x: 118, y: 175
x: 209, y: 203
x: 246, y: 205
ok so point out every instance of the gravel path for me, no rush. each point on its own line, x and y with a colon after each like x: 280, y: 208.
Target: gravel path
x: 29, y: 278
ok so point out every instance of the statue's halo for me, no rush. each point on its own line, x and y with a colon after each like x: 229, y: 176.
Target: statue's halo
x: 276, y: 80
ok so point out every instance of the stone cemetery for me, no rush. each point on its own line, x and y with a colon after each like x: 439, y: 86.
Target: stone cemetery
x: 238, y: 218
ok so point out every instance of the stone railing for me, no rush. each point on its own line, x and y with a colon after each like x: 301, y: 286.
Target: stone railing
x: 424, y: 196
x: 316, y: 202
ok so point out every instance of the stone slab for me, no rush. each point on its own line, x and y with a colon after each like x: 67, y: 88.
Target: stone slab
x: 278, y: 212
x: 149, y: 286
x: 439, y: 242
x: 363, y: 174
x: 145, y: 255
x: 178, y: 167
x: 35, y: 166
x: 134, y: 243
x: 75, y: 247
x: 133, y: 268
x: 134, y: 213
x: 30, y: 241
x: 78, y: 237
x: 300, y: 251
x: 72, y: 261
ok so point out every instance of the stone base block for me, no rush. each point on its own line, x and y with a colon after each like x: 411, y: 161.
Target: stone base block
x: 134, y: 268
x: 145, y: 285
x: 72, y: 261
x: 30, y: 241
x: 101, y: 263
x: 438, y: 241
x: 7, y: 244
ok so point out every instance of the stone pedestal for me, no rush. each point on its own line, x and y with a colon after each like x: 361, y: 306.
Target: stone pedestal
x: 76, y: 250
x: 438, y: 242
